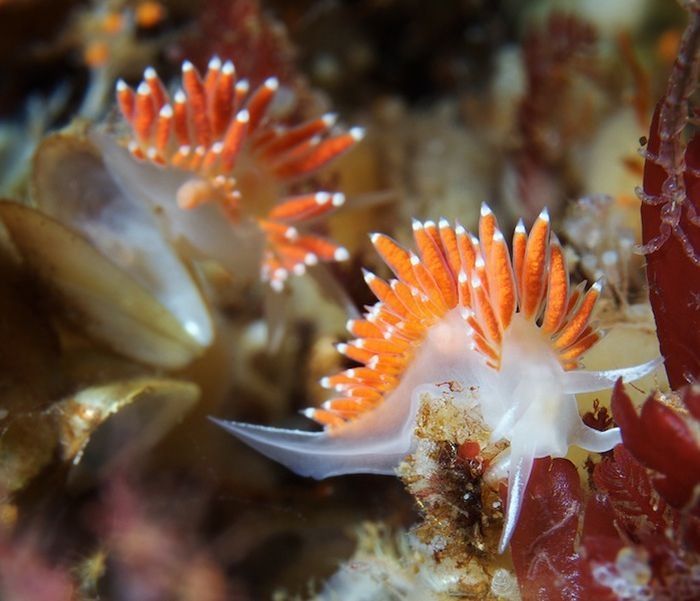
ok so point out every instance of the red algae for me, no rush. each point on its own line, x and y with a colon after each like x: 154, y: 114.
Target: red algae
x: 671, y: 216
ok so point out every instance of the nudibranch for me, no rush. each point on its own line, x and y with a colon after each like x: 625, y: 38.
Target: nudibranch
x: 460, y: 310
x: 238, y: 153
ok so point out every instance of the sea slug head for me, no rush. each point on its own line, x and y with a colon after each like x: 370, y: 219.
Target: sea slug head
x: 234, y: 157
x: 471, y: 311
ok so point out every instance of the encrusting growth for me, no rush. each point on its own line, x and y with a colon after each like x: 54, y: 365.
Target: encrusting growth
x: 461, y: 310
x: 242, y: 157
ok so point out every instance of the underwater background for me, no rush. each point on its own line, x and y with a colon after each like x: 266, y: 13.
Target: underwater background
x: 190, y: 191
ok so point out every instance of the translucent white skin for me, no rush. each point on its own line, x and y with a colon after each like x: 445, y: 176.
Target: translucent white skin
x: 84, y: 194
x: 530, y: 402
x: 203, y: 232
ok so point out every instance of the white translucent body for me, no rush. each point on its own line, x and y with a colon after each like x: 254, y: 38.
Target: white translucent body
x: 203, y: 232
x: 79, y: 189
x: 530, y: 402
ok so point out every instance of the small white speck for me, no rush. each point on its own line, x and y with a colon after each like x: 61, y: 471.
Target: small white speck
x: 497, y: 236
x: 143, y: 89
x: 485, y: 210
x: 299, y: 269
x: 291, y: 233
x: 520, y: 228
x: 310, y: 259
x: 308, y: 412
x: 444, y: 223
x: 121, y: 86
x: 417, y: 225
x: 180, y: 97
x: 329, y: 119
x: 341, y: 347
x: 414, y: 260
x: 242, y: 86
x: 341, y: 254
x: 338, y: 199
x: 214, y: 63
x: 466, y: 313
x: 187, y: 66
x: 217, y: 147
x: 322, y: 197
x: 357, y: 133
x: 166, y: 111
x: 325, y: 382
x: 243, y: 116
x: 429, y: 224
x: 544, y: 215
x: 150, y: 73
x: 228, y: 68
x: 272, y: 83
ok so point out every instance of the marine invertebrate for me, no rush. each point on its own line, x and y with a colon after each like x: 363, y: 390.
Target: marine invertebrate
x: 671, y: 216
x: 241, y: 157
x: 508, y: 332
x: 670, y: 207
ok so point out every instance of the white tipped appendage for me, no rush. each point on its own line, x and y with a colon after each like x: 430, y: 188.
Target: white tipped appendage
x: 357, y: 133
x: 341, y: 254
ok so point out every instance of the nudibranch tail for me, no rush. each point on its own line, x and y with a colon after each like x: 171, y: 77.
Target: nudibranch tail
x: 230, y: 137
x: 464, y: 310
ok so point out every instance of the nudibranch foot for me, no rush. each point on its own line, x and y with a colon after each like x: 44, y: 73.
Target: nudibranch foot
x: 314, y: 454
x: 502, y: 325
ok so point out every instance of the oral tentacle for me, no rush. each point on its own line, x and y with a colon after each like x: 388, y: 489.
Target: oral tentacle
x: 522, y: 457
x: 579, y: 381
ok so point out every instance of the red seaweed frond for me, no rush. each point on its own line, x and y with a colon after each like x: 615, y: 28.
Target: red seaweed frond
x: 554, y: 55
x: 629, y: 491
x: 240, y: 29
x: 678, y: 210
x: 551, y: 55
x: 675, y: 452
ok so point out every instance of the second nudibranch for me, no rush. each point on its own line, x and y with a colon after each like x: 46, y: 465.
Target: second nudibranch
x: 460, y: 310
x: 241, y: 154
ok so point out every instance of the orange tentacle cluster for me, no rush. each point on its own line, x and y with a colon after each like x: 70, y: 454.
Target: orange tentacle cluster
x: 205, y: 128
x: 454, y: 270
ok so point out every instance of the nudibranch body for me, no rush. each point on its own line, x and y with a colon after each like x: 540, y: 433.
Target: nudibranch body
x: 235, y: 152
x: 460, y: 310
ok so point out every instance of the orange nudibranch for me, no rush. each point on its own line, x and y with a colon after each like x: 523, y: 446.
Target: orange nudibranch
x: 460, y: 309
x: 242, y: 155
